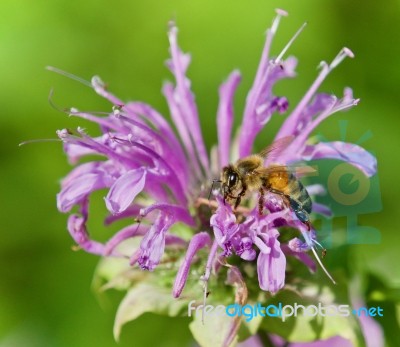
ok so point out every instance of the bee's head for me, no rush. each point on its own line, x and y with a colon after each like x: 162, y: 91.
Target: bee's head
x: 229, y: 178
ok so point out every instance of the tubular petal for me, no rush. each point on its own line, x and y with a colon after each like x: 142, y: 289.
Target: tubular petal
x: 197, y: 242
x: 125, y: 189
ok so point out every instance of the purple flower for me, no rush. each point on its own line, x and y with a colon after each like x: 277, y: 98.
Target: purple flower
x: 162, y: 178
x: 271, y: 264
x: 335, y: 341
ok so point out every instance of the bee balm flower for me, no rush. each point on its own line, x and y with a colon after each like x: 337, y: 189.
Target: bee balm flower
x: 158, y: 179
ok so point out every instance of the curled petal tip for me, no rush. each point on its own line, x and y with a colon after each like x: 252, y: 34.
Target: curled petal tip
x: 172, y: 29
x: 281, y: 12
x: 97, y: 82
x: 322, y: 65
x: 345, y: 52
x: 113, y: 207
x: 236, y: 73
x: 62, y: 134
x: 175, y: 295
x: 348, y: 52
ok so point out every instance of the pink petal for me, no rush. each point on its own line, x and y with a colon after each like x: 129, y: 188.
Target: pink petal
x: 180, y: 213
x: 77, y: 189
x: 77, y: 229
x: 225, y: 116
x: 353, y: 154
x: 184, y: 97
x: 321, y: 209
x: 125, y: 189
x: 271, y: 267
x: 197, y: 242
x: 153, y: 243
x: 122, y: 235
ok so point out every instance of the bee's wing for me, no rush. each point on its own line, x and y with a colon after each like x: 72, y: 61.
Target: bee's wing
x: 299, y: 171
x: 276, y: 148
x: 305, y: 170
x: 272, y: 169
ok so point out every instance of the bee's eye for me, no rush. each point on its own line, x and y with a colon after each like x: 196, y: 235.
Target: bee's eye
x: 232, y: 180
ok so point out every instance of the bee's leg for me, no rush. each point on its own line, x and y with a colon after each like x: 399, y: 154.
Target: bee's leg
x: 285, y: 198
x: 261, y: 202
x: 278, y: 192
x: 225, y: 197
x: 308, y: 224
x: 300, y: 212
x: 239, y: 197
x: 296, y: 206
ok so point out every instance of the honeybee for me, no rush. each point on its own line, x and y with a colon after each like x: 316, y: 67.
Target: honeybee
x: 249, y: 175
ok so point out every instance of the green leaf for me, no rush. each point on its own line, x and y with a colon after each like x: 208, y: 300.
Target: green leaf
x: 248, y: 329
x: 214, y: 331
x: 146, y: 298
x: 379, y: 294
x: 115, y: 273
x: 112, y: 272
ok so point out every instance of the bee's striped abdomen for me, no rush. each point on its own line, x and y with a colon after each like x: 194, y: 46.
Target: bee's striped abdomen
x: 296, y: 190
x: 304, y: 198
x: 284, y: 181
x: 299, y: 199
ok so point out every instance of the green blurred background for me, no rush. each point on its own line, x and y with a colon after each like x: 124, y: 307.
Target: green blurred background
x: 45, y: 288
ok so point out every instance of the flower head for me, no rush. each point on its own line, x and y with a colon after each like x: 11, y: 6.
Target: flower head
x: 161, y: 178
